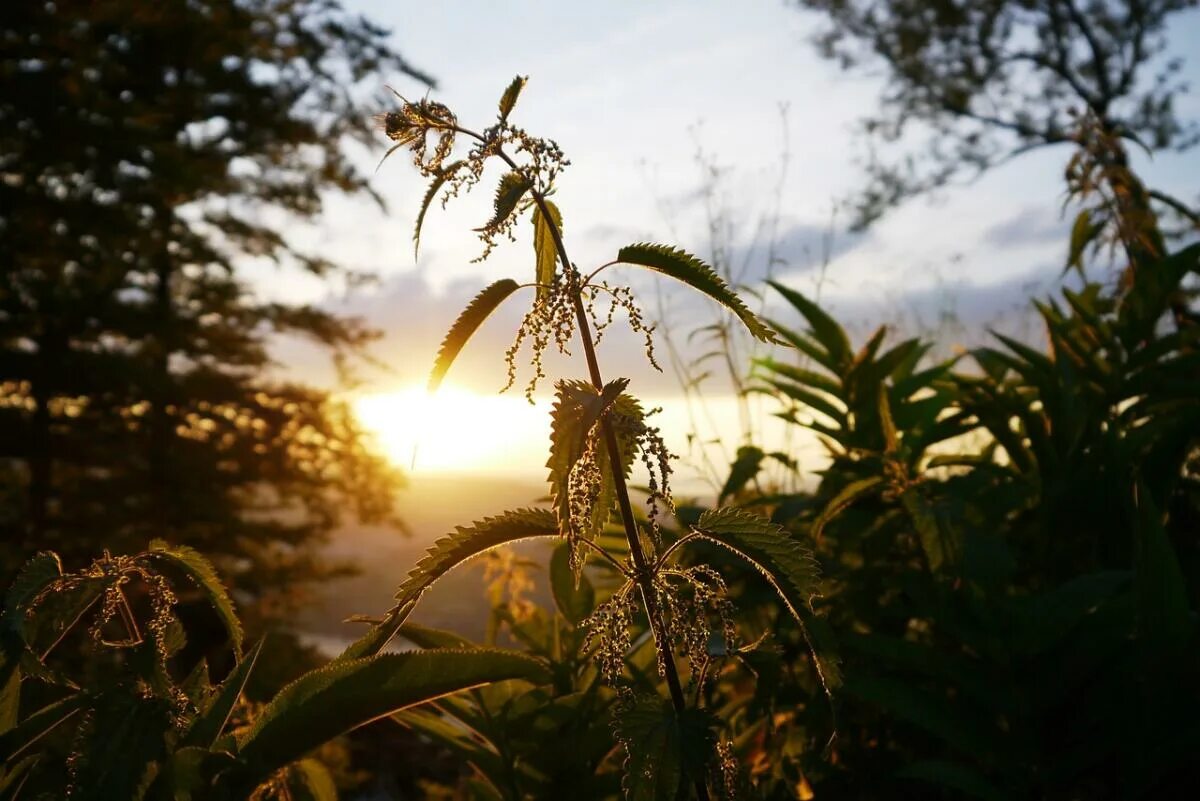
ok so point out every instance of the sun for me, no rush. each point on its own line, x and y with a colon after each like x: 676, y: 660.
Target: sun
x: 456, y: 430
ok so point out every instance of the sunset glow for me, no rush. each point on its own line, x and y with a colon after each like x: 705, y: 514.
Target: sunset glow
x: 456, y: 430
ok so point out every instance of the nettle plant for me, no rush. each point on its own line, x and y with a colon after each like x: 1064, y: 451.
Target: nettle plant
x: 599, y: 433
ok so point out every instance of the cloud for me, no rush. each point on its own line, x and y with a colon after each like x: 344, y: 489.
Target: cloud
x: 1034, y: 225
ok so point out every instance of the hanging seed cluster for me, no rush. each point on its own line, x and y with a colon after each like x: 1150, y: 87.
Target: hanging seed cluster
x: 608, y: 628
x: 114, y: 573
x: 692, y: 599
x: 657, y: 461
x: 551, y: 320
x: 619, y: 297
x: 584, y: 484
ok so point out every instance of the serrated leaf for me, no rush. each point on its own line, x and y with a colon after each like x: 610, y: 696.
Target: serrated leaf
x: 576, y: 410
x: 330, y: 701
x: 665, y: 750
x: 787, y: 565
x: 443, y: 556
x: 200, y: 571
x: 850, y: 493
x: 685, y: 267
x: 209, y: 724
x: 435, y: 185
x: 509, y: 99
x: 544, y: 248
x: 478, y: 310
x: 35, y: 575
x: 826, y: 330
x: 509, y: 191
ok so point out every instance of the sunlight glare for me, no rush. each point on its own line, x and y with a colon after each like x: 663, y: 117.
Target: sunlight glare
x: 456, y: 430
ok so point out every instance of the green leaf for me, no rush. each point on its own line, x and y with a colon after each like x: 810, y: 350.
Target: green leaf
x: 35, y: 575
x: 1083, y: 232
x: 332, y: 700
x: 509, y: 192
x: 574, y: 595
x: 849, y: 494
x: 941, y: 542
x: 743, y: 470
x: 787, y: 565
x: 815, y: 401
x: 191, y: 563
x: 577, y: 408
x: 826, y: 330
x: 209, y: 724
x: 309, y: 780
x: 544, y: 248
x: 509, y: 99
x: 478, y: 310
x: 447, y: 553
x: 436, y: 184
x: 665, y: 751
x: 695, y: 273
x: 805, y: 378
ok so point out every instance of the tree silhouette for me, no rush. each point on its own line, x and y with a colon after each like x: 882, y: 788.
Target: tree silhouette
x: 146, y: 151
x: 988, y: 80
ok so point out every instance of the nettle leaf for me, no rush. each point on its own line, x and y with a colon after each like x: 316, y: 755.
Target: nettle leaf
x: 439, y: 180
x: 332, y: 700
x: 786, y: 564
x: 544, y: 248
x: 478, y: 310
x: 687, y: 268
x: 577, y: 408
x: 191, y: 563
x: 18, y: 739
x: 35, y: 575
x: 470, y: 541
x: 509, y: 192
x: 509, y: 99
x: 664, y: 750
x: 447, y: 553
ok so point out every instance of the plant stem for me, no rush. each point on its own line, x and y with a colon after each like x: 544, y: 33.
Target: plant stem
x: 643, y: 572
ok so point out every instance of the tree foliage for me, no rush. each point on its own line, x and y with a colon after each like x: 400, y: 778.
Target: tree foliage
x: 986, y: 80
x: 151, y: 154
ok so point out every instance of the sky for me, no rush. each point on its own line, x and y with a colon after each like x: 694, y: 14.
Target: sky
x: 633, y: 92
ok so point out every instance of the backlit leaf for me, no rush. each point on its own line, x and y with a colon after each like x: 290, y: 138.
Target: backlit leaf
x: 695, y: 273
x: 544, y: 248
x: 332, y: 700
x: 478, y: 310
x: 201, y: 572
x: 509, y: 192
x: 787, y: 565
x: 509, y: 99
